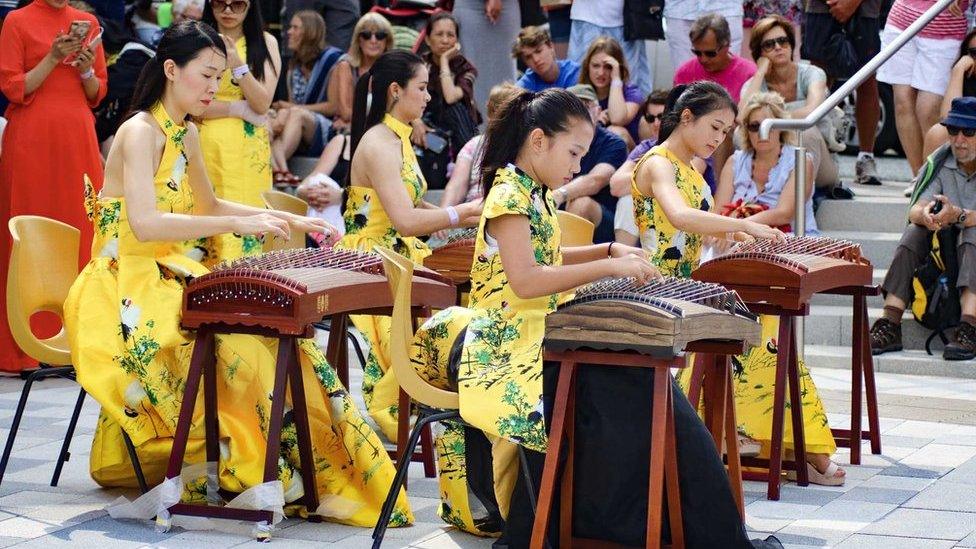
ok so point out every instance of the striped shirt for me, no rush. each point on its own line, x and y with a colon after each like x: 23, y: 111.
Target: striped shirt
x: 945, y: 26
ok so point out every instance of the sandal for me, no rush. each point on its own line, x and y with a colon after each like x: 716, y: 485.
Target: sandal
x: 747, y: 446
x: 827, y: 478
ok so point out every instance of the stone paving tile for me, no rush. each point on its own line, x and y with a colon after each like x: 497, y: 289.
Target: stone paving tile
x: 899, y: 470
x: 940, y: 455
x: 863, y: 541
x: 817, y: 537
x: 968, y: 541
x: 879, y: 495
x: 898, y: 483
x: 848, y: 514
x: 926, y: 524
x: 451, y: 540
x: 946, y: 496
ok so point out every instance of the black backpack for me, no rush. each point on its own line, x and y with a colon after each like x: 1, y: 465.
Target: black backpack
x: 122, y: 78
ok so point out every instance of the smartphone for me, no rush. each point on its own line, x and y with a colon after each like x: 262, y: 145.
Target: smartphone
x: 436, y: 143
x: 79, y: 29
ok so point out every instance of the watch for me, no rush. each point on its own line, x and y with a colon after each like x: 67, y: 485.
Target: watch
x: 564, y: 193
x: 962, y: 217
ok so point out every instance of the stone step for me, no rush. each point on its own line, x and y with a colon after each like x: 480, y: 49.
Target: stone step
x: 878, y: 214
x: 843, y: 300
x: 878, y: 247
x: 903, y: 362
x: 831, y: 325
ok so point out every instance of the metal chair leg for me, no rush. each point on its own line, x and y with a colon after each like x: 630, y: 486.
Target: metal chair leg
x: 357, y: 348
x: 136, y: 466
x: 65, y: 455
x: 403, y: 465
x: 24, y: 393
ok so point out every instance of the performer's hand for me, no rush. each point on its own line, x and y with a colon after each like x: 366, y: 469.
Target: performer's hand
x: 759, y: 230
x: 622, y: 250
x: 635, y: 266
x: 262, y: 224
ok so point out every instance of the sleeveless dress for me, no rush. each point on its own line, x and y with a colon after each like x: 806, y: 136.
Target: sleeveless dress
x: 367, y: 226
x: 122, y: 316
x: 677, y: 253
x: 745, y: 189
x: 499, y: 378
x: 238, y: 159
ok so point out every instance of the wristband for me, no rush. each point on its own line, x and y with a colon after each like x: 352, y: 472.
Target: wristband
x: 565, y: 194
x: 239, y: 72
x: 610, y: 250
x: 453, y: 215
x: 89, y: 74
x: 616, y: 83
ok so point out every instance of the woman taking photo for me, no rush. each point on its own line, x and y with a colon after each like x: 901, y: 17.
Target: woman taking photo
x: 53, y: 79
x: 305, y: 119
x: 156, y: 195
x: 236, y: 146
x: 605, y: 68
x: 385, y: 205
x: 372, y: 37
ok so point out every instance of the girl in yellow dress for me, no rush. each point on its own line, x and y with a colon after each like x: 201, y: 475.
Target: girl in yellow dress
x: 233, y: 135
x: 385, y: 205
x: 123, y: 312
x: 673, y: 209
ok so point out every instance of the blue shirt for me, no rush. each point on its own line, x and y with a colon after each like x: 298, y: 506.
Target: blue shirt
x: 568, y: 76
x: 606, y: 148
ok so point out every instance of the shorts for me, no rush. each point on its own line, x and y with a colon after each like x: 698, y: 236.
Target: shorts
x: 624, y: 220
x: 603, y: 232
x: 922, y: 63
x: 559, y: 24
x: 320, y: 140
x: 819, y: 27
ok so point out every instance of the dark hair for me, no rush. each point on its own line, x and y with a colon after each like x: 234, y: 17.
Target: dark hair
x: 181, y: 43
x: 711, y: 22
x: 700, y: 98
x: 656, y: 97
x: 312, y: 42
x: 549, y: 110
x: 393, y: 66
x: 253, y: 27
x: 441, y: 16
x: 765, y: 25
x: 964, y: 47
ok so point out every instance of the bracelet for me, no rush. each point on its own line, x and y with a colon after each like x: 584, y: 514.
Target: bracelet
x: 89, y: 74
x: 610, y: 250
x: 616, y: 83
x: 239, y: 72
x: 448, y: 74
x: 453, y: 215
x: 565, y: 194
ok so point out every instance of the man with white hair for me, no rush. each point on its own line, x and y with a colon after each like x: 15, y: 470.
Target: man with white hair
x: 187, y: 10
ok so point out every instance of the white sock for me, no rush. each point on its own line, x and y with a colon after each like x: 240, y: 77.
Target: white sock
x: 865, y: 154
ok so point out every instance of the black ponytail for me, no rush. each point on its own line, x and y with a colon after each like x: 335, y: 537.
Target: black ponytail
x: 181, y: 43
x: 550, y: 110
x: 700, y: 98
x: 393, y: 66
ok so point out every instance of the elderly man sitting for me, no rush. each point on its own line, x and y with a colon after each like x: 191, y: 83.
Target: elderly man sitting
x: 954, y: 187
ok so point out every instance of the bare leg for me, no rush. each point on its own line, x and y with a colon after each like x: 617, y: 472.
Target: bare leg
x: 867, y: 113
x: 906, y: 120
x: 927, y: 107
x: 934, y: 138
x: 290, y: 138
x: 586, y: 208
x: 968, y: 302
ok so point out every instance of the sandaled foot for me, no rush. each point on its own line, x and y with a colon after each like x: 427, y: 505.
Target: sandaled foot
x: 747, y: 446
x: 832, y: 475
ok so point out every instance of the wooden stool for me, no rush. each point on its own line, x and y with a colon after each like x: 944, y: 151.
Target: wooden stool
x: 337, y: 353
x: 203, y: 364
x: 663, y: 458
x: 862, y: 368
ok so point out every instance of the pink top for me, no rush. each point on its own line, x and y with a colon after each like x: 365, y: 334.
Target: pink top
x: 945, y: 26
x: 732, y: 77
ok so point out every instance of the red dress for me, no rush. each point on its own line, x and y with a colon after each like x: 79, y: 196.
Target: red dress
x: 49, y: 143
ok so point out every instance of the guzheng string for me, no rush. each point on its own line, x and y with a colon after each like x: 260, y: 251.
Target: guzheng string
x: 804, y: 245
x: 657, y: 293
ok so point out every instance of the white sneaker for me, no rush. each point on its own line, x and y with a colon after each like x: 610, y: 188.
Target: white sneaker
x: 909, y: 190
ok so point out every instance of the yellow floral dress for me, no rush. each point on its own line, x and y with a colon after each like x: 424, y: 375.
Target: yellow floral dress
x: 677, y: 253
x: 368, y: 226
x: 122, y: 316
x: 499, y: 376
x: 238, y: 159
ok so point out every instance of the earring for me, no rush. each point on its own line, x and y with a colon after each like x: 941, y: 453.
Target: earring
x: 396, y: 97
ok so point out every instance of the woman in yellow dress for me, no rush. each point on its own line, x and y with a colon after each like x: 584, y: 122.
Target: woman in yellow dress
x: 674, y: 213
x: 233, y: 135
x: 123, y: 311
x: 385, y: 205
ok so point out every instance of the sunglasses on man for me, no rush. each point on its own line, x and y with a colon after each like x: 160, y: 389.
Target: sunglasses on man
x: 954, y: 131
x: 650, y: 118
x: 379, y: 35
x: 235, y: 6
x: 707, y: 53
x: 768, y: 45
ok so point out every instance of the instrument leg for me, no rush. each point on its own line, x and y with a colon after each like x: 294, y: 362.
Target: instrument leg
x: 564, y: 385
x: 784, y: 350
x: 302, y: 429
x: 796, y: 412
x: 203, y: 354
x: 659, y: 449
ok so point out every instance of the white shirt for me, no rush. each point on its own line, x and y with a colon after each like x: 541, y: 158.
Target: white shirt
x: 693, y: 9
x: 602, y: 13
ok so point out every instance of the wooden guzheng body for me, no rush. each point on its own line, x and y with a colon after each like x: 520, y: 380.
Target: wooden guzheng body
x: 453, y: 258
x: 659, y: 318
x: 787, y: 274
x: 289, y: 290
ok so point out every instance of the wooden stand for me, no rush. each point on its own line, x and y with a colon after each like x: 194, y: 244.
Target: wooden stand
x: 203, y: 364
x: 663, y: 458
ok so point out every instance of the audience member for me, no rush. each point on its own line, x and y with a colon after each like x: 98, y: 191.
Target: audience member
x: 142, y: 20
x: 451, y: 108
x: 962, y: 83
x: 53, y: 79
x: 304, y: 118
x: 595, y: 19
x: 234, y: 137
x: 605, y: 68
x: 801, y: 85
x: 755, y: 10
x: 373, y: 37
x: 588, y: 194
x: 680, y: 15
x: 322, y: 189
x: 534, y: 47
x: 650, y: 114
x: 919, y: 71
x: 856, y: 23
x: 187, y: 10
x: 714, y: 60
x: 560, y: 28
x: 340, y: 18
x: 490, y: 27
x: 951, y: 187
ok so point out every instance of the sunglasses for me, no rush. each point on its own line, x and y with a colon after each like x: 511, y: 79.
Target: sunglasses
x: 706, y: 53
x: 652, y: 117
x: 768, y: 45
x: 753, y: 127
x: 379, y: 35
x: 236, y: 6
x: 954, y: 131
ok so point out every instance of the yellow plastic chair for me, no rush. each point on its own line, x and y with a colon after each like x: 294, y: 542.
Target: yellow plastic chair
x: 43, y: 265
x: 433, y: 403
x: 575, y: 230
x: 277, y: 200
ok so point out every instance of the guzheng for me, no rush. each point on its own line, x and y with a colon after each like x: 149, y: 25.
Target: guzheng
x: 289, y: 290
x: 659, y: 318
x: 453, y: 257
x: 787, y: 274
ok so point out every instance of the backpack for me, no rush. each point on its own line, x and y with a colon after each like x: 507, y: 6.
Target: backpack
x: 935, y: 298
x: 122, y: 78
